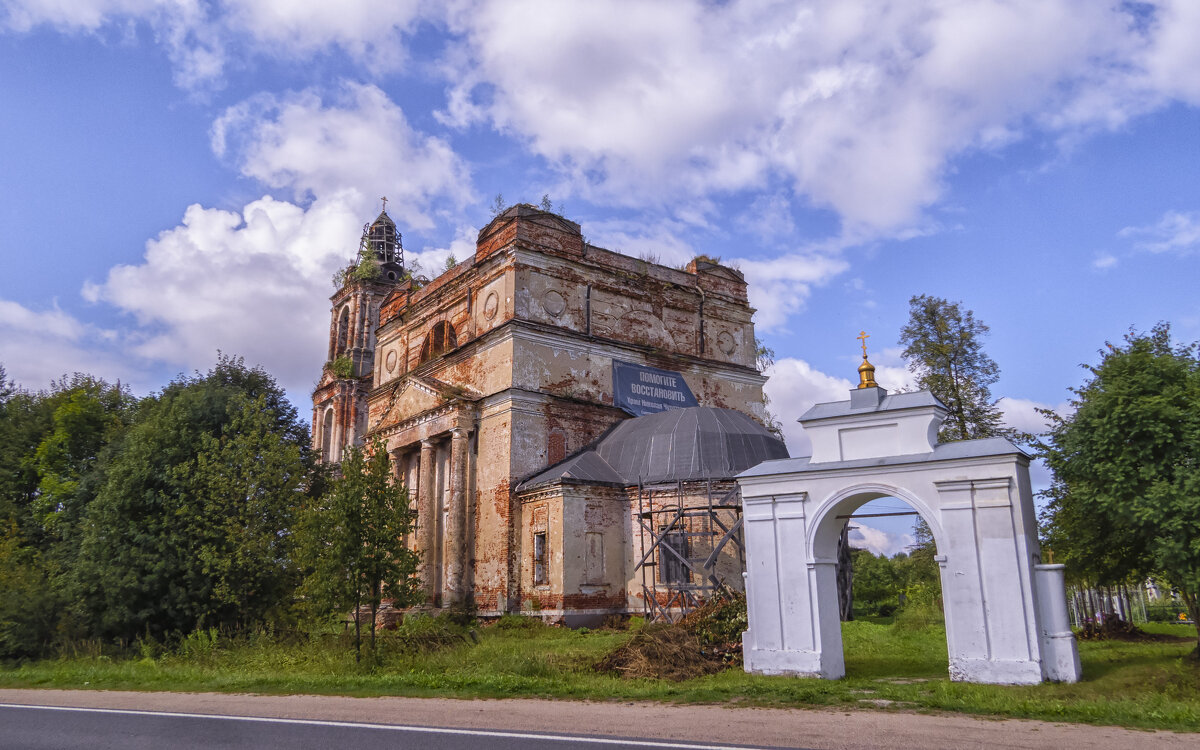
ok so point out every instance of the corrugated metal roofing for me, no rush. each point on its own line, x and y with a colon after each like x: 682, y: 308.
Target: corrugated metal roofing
x: 699, y: 442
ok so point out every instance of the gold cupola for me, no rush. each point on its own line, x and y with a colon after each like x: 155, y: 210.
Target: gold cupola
x: 866, y: 371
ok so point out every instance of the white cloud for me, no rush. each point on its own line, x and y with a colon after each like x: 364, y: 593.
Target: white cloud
x: 359, y: 140
x: 779, y: 287
x: 1176, y: 231
x: 202, y: 39
x: 659, y: 239
x: 1105, y: 262
x: 857, y: 106
x: 861, y: 105
x: 769, y: 217
x: 39, y: 346
x: 1022, y: 414
x: 431, y: 261
x: 370, y: 32
x: 254, y: 283
x: 794, y: 386
x: 878, y: 541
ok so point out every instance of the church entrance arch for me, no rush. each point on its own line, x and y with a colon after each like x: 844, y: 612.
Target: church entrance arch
x: 1005, y: 611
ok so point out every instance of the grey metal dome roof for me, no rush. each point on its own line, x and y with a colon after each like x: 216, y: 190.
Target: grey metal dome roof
x: 700, y: 442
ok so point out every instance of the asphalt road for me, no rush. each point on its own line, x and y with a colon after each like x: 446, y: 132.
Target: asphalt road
x: 24, y: 727
x: 131, y: 719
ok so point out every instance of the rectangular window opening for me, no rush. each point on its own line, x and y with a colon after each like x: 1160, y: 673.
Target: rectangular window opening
x: 539, y: 559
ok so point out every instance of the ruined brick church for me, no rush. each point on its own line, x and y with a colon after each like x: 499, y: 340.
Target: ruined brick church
x: 492, y: 388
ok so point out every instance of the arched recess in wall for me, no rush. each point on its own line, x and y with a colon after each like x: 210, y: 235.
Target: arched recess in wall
x: 343, y: 332
x: 556, y: 446
x: 327, y: 434
x: 441, y: 338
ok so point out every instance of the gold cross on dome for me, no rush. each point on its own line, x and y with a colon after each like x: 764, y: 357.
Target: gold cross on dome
x: 863, y: 336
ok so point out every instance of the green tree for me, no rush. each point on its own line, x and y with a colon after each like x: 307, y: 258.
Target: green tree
x: 190, y: 527
x: 876, y: 584
x: 25, y: 419
x: 87, y: 416
x: 942, y: 349
x: 1125, y: 501
x: 354, y: 542
x: 29, y: 608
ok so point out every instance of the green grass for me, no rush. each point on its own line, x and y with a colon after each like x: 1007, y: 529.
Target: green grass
x: 1144, y: 685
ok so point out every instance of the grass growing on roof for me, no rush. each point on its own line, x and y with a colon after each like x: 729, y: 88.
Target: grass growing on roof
x: 1143, y: 684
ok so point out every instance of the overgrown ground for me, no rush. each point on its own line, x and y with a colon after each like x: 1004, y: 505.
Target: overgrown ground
x: 1143, y: 684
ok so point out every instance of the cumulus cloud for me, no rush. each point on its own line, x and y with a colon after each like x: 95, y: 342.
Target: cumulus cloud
x: 371, y: 32
x: 37, y: 346
x: 202, y: 39
x: 793, y: 387
x: 355, y: 138
x: 253, y: 282
x: 779, y: 287
x: 1176, y: 231
x: 856, y: 106
x: 860, y: 105
x: 878, y: 541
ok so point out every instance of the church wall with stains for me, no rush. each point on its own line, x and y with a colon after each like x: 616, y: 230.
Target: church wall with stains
x: 501, y: 367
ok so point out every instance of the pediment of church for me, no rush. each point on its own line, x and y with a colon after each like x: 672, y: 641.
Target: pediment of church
x: 415, y: 395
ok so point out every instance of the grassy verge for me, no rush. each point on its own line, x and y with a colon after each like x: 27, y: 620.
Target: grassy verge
x: 1141, y: 684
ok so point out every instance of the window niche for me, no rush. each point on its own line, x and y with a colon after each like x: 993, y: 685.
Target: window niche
x: 440, y: 339
x: 540, y: 576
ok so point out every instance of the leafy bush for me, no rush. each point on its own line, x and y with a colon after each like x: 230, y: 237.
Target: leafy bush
x: 720, y: 620
x: 343, y: 367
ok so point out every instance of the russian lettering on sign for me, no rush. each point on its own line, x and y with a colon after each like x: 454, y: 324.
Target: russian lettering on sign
x: 642, y: 390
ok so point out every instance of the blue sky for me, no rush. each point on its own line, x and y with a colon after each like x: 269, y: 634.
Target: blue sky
x: 178, y: 177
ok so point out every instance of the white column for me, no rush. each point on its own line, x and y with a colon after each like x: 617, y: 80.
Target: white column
x: 1060, y: 656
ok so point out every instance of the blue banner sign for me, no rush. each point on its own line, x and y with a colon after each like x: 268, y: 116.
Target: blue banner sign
x: 642, y: 390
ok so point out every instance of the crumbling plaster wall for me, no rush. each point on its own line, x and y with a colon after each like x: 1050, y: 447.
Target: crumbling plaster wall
x: 538, y: 318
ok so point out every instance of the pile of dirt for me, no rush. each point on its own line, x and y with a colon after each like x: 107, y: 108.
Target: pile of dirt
x: 665, y: 652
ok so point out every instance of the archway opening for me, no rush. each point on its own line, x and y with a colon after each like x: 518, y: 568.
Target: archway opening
x: 343, y: 332
x: 327, y: 435
x: 884, y: 556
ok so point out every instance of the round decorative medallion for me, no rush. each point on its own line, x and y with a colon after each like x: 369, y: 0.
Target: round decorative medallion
x: 726, y: 343
x: 553, y: 303
x: 390, y: 361
x: 491, y: 305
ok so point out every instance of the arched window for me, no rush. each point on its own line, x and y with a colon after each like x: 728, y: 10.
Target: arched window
x: 327, y: 434
x: 343, y: 332
x: 441, y: 339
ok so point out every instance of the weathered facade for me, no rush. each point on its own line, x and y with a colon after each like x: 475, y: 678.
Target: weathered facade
x: 500, y: 368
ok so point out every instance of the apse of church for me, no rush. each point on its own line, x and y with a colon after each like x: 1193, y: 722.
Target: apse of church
x: 502, y: 367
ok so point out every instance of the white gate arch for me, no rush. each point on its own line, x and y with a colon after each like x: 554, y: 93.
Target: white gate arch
x: 1005, y: 612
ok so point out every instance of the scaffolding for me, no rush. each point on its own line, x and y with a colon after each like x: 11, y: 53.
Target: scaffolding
x: 690, y: 525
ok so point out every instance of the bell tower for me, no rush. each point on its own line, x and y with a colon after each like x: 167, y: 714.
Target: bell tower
x: 340, y: 399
